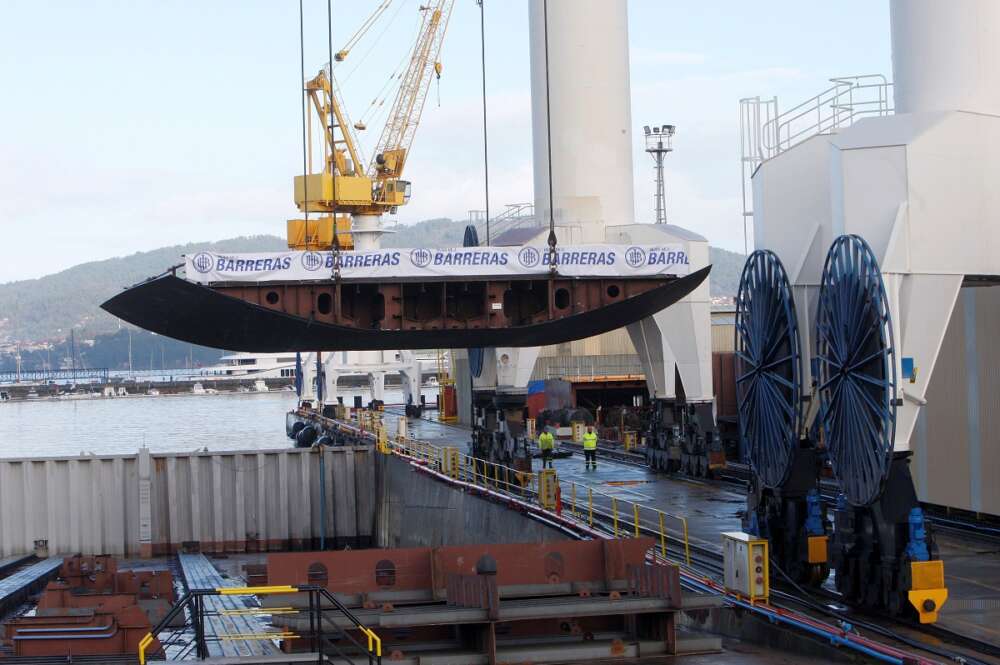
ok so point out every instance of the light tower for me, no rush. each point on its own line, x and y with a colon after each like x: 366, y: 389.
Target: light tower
x: 659, y: 141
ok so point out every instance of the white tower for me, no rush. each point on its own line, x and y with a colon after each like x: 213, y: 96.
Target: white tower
x: 580, y: 79
x: 946, y: 55
x: 583, y: 86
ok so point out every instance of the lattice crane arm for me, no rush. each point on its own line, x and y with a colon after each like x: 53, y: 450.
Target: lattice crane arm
x: 324, y: 96
x: 404, y: 115
x: 342, y: 54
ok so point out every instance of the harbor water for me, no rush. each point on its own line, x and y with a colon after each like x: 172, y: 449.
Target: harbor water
x: 163, y: 423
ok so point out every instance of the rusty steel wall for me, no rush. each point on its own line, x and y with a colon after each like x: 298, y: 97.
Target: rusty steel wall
x: 146, y: 504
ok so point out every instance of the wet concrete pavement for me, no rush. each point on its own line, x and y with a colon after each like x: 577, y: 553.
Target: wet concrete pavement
x: 972, y: 568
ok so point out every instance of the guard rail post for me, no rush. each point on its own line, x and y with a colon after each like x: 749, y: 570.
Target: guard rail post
x: 590, y: 506
x: 663, y: 536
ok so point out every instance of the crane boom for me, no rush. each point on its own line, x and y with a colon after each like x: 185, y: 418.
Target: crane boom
x: 404, y: 116
x: 324, y: 95
x: 344, y: 185
x: 342, y: 54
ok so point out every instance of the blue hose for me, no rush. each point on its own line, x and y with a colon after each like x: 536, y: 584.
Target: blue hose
x: 834, y: 639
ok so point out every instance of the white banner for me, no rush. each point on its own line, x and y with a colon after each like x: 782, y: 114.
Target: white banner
x: 420, y: 262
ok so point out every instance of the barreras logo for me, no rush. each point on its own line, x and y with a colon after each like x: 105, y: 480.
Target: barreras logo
x: 202, y: 262
x: 635, y: 256
x: 421, y: 257
x: 312, y: 260
x: 529, y: 257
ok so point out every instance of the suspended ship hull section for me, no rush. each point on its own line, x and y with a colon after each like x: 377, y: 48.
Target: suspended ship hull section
x: 324, y: 316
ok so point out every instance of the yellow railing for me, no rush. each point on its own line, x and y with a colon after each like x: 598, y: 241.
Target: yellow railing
x: 639, y: 517
x: 254, y: 590
x: 374, y: 642
x: 143, y: 645
x: 316, y: 593
x: 537, y: 488
x: 460, y: 466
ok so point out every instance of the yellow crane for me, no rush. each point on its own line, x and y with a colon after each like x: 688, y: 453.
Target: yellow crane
x: 344, y: 186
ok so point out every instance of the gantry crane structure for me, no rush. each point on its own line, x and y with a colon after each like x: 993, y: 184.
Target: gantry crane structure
x: 344, y: 189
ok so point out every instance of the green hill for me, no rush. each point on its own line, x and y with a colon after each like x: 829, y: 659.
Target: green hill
x: 45, y: 309
x: 726, y: 269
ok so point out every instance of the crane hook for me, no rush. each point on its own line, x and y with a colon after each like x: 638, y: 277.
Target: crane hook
x: 437, y: 70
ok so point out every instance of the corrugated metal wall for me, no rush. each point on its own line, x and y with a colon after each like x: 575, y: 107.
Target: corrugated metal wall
x: 957, y: 439
x: 143, y: 504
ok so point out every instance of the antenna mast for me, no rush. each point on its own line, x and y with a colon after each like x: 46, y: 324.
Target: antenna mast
x: 659, y: 141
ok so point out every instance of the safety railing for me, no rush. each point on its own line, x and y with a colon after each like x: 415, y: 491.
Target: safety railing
x: 516, y: 215
x: 766, y: 132
x: 581, y: 503
x: 626, y: 518
x: 455, y: 464
x: 193, y: 607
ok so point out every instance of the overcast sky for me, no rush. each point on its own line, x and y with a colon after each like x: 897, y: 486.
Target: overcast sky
x: 129, y: 125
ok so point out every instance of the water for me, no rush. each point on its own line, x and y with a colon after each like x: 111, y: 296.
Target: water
x: 166, y: 423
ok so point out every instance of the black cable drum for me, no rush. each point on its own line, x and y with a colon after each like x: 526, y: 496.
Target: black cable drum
x: 856, y: 376
x: 768, y: 368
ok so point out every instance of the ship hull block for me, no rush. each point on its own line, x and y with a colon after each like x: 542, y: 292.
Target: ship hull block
x: 242, y: 318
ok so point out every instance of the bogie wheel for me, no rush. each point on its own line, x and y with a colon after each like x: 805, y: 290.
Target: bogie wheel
x: 768, y: 368
x: 857, y: 369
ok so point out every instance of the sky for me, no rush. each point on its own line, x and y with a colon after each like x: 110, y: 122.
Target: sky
x: 130, y: 125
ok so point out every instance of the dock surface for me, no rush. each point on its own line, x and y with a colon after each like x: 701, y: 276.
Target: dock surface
x: 972, y: 566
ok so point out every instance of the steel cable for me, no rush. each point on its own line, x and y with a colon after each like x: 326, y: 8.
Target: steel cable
x: 548, y: 139
x: 302, y: 78
x: 333, y: 166
x: 486, y: 151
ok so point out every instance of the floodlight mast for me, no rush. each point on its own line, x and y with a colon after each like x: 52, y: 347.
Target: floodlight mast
x: 659, y: 141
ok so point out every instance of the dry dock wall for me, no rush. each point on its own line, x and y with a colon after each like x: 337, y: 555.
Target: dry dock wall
x: 416, y: 510
x: 147, y: 504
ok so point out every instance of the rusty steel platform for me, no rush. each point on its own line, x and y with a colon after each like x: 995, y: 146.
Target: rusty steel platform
x: 567, y: 601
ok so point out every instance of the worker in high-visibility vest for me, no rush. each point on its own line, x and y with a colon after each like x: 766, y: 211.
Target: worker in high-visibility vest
x: 590, y: 448
x: 546, y: 443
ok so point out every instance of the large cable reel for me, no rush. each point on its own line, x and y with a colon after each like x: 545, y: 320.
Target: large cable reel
x: 856, y: 365
x: 768, y: 368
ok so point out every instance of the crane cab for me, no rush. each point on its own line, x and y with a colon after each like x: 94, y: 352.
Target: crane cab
x: 393, y: 193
